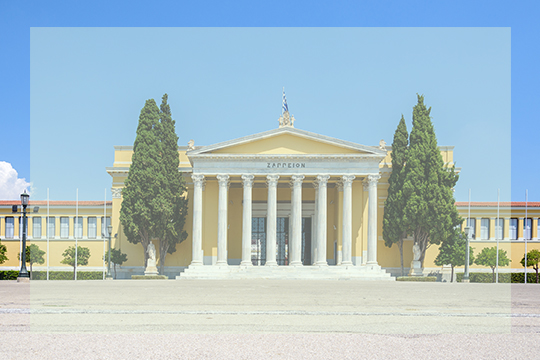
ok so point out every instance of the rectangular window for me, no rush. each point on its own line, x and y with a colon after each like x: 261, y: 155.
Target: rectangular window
x: 10, y: 227
x: 499, y: 229
x: 78, y: 227
x: 512, y: 229
x: 471, y: 223
x: 104, y: 224
x: 92, y: 227
x: 64, y: 227
x: 484, y: 229
x: 527, y: 226
x: 51, y: 227
x: 36, y: 227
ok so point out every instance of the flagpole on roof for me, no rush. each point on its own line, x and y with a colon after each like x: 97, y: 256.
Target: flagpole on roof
x: 47, y: 233
x: 76, y: 243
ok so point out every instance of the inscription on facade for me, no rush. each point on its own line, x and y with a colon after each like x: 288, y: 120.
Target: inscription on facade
x: 285, y: 165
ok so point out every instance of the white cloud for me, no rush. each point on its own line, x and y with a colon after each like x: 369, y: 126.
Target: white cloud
x: 11, y: 187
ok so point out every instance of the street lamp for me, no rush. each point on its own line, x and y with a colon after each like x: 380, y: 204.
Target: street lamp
x: 466, y: 274
x: 23, y: 273
x: 109, y: 276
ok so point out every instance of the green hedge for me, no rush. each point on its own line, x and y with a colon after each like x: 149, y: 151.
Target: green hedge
x: 9, y: 274
x: 54, y: 275
x: 503, y: 277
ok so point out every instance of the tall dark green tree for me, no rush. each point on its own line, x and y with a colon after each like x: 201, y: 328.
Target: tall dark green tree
x: 142, y: 186
x: 394, y: 229
x: 171, y: 199
x: 452, y: 251
x: 430, y: 214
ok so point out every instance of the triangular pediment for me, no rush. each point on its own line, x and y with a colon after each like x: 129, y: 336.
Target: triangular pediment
x: 287, y: 141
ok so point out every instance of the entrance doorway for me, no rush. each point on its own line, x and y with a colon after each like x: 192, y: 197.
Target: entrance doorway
x: 258, y: 241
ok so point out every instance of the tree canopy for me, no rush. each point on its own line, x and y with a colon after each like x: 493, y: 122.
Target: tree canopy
x: 117, y: 258
x: 533, y: 258
x: 488, y: 257
x: 394, y: 229
x: 83, y: 254
x: 34, y: 255
x: 170, y: 200
x: 429, y: 214
x: 452, y: 251
x: 142, y: 185
x: 154, y: 201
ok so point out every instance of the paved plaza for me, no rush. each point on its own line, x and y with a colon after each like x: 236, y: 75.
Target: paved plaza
x: 268, y: 319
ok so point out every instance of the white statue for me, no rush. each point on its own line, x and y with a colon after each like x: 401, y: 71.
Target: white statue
x: 191, y: 145
x: 416, y: 266
x: 151, y: 268
x: 382, y: 144
x: 416, y: 252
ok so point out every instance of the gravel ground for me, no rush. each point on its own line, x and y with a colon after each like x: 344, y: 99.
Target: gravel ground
x: 268, y: 320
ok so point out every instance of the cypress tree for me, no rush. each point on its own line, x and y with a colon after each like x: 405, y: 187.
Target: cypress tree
x: 142, y: 185
x: 171, y: 200
x: 394, y: 229
x: 430, y: 213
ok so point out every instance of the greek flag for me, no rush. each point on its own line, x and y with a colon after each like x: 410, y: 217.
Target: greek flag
x: 285, y: 107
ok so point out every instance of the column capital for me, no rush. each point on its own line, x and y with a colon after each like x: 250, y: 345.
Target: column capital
x: 296, y: 180
x: 347, y: 179
x: 322, y: 179
x: 373, y: 179
x: 339, y: 184
x: 248, y: 180
x: 198, y: 180
x: 272, y: 180
x: 223, y: 180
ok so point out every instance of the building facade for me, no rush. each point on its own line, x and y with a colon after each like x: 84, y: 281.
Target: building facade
x: 282, y: 203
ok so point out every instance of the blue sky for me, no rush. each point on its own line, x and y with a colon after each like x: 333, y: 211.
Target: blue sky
x: 78, y: 75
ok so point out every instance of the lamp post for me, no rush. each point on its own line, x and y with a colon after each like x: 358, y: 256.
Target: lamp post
x: 109, y: 276
x: 23, y: 273
x: 466, y: 274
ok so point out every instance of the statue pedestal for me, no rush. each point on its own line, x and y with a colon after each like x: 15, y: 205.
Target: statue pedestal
x: 151, y: 268
x: 416, y: 269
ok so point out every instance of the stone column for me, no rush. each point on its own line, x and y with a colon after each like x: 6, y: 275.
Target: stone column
x: 271, y: 220
x: 246, y: 220
x: 322, y: 180
x: 314, y: 240
x: 223, y: 181
x: 347, y: 220
x: 372, y: 219
x: 196, y: 237
x: 296, y: 239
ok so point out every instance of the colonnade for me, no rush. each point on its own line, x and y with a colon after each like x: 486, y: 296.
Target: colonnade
x: 295, y: 247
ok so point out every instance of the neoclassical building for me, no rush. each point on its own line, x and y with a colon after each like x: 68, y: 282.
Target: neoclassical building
x: 284, y: 203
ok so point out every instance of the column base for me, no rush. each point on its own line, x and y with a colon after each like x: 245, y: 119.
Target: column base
x: 346, y: 263
x: 268, y: 263
x: 196, y: 263
x: 222, y: 263
x: 321, y: 263
x: 296, y: 263
x: 246, y: 263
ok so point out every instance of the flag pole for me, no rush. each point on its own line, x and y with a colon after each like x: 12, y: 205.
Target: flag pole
x: 76, y: 243
x: 47, y: 233
x: 497, y: 225
x: 526, y: 235
x: 102, y: 234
